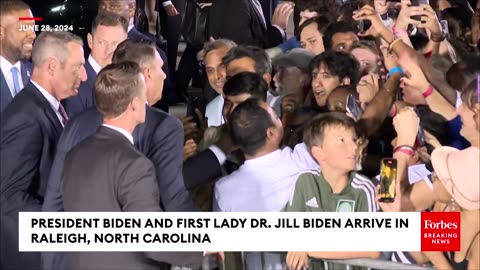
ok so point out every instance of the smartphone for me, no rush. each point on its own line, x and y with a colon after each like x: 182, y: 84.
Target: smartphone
x: 418, y: 3
x: 444, y: 25
x: 353, y: 108
x: 192, y: 104
x: 388, y: 179
x: 420, y: 139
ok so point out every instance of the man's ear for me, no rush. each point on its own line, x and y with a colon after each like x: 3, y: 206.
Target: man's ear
x: 317, y: 153
x: 271, y: 134
x: 90, y: 40
x: 345, y: 81
x: 2, y: 32
x: 131, y: 9
x: 268, y: 78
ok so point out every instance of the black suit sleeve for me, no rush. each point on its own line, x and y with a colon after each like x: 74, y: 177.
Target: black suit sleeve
x: 138, y: 192
x: 272, y: 38
x: 166, y: 153
x: 201, y: 169
x: 20, y: 149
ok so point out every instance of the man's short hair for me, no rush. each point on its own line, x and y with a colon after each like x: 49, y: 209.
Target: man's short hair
x: 315, y: 133
x: 246, y: 83
x: 115, y: 87
x: 322, y: 23
x: 106, y: 18
x: 263, y: 64
x: 9, y: 6
x: 218, y: 44
x: 338, y: 64
x: 334, y: 28
x: 53, y: 44
x: 249, y: 123
x: 315, y: 5
x: 138, y: 51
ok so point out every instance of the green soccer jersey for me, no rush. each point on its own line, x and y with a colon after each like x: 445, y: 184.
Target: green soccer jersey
x: 313, y: 194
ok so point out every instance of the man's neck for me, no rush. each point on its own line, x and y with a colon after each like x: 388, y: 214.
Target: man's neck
x: 42, y: 80
x: 262, y: 152
x: 121, y: 122
x: 336, y: 179
x: 11, y: 59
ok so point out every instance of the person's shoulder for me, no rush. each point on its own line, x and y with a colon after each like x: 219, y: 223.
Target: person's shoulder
x: 159, y: 118
x: 360, y: 180
x: 308, y: 177
x: 233, y: 180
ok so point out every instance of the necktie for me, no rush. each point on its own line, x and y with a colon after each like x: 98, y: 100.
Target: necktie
x: 16, y: 84
x: 259, y: 11
x: 63, y: 113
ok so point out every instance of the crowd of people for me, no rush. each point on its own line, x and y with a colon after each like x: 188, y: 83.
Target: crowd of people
x: 298, y: 123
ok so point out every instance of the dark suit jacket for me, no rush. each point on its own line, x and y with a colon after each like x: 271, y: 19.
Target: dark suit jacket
x: 106, y: 173
x: 85, y: 98
x: 29, y: 132
x: 5, y: 94
x: 168, y: 86
x: 240, y: 21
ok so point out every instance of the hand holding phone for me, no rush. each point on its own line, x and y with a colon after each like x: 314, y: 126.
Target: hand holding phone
x: 388, y: 179
x: 353, y: 108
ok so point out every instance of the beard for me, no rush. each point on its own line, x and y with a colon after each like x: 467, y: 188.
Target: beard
x: 11, y: 52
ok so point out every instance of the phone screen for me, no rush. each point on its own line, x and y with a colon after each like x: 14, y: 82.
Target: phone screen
x: 353, y: 108
x: 388, y: 178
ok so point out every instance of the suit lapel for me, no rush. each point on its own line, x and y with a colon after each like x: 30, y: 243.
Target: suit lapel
x: 4, y: 89
x: 26, y: 70
x: 257, y: 13
x: 47, y: 108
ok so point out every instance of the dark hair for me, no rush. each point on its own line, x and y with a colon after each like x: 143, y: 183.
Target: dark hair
x: 218, y: 44
x: 315, y: 133
x: 9, y: 6
x: 246, y: 83
x: 106, y: 18
x: 138, y: 51
x: 338, y: 64
x: 334, y: 28
x: 249, y: 123
x: 263, y: 64
x: 462, y: 73
x: 321, y: 21
x: 115, y: 87
x: 433, y: 123
x: 315, y: 5
x: 470, y: 94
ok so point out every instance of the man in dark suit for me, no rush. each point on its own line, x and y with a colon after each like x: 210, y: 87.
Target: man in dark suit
x: 16, y: 48
x: 126, y: 8
x: 30, y: 127
x: 160, y: 138
x: 108, y: 30
x: 106, y: 172
x: 243, y: 22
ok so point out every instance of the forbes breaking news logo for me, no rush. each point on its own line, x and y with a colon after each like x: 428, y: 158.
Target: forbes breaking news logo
x: 440, y: 231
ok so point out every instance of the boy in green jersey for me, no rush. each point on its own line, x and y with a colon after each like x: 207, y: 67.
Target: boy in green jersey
x: 332, y: 141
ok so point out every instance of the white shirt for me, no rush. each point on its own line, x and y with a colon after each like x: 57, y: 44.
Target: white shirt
x: 6, y: 67
x: 263, y: 184
x: 96, y: 67
x: 214, y: 110
x: 130, y: 25
x: 122, y: 131
x: 51, y: 99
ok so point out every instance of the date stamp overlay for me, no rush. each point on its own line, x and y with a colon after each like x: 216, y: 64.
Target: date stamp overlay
x: 30, y: 25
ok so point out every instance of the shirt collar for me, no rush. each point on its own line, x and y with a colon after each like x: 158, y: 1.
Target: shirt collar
x: 122, y: 131
x: 130, y: 25
x: 51, y: 99
x: 6, y: 66
x: 94, y: 64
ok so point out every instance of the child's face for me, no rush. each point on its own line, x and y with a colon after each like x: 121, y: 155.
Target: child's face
x: 338, y: 150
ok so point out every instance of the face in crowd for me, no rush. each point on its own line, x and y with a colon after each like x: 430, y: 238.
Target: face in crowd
x: 17, y: 44
x: 104, y: 41
x: 323, y: 83
x: 311, y: 39
x: 215, y: 69
x: 124, y: 8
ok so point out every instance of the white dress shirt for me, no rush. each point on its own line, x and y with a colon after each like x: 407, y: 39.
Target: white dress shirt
x: 263, y: 184
x: 6, y: 67
x: 122, y: 131
x: 51, y: 99
x: 96, y: 67
x: 213, y: 112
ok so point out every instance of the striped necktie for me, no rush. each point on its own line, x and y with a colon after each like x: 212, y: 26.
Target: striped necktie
x: 16, y: 84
